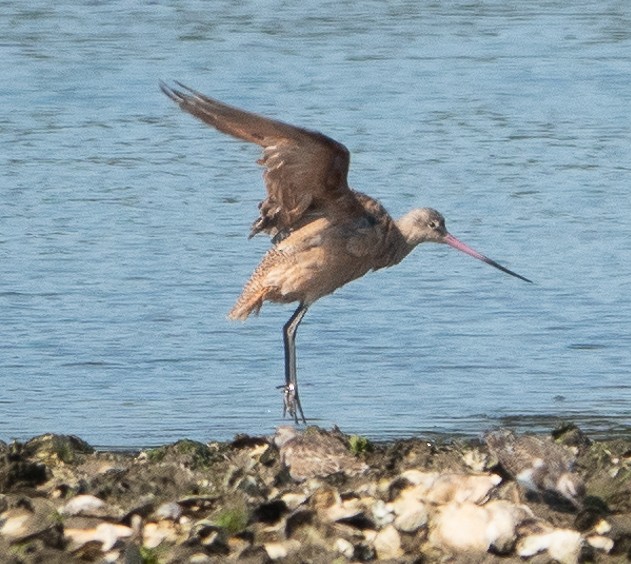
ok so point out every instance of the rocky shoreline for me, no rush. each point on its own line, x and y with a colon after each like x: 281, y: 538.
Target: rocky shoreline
x: 330, y: 498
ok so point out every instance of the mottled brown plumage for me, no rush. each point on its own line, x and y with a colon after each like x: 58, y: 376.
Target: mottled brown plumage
x: 324, y: 233
x: 315, y: 453
x: 537, y: 463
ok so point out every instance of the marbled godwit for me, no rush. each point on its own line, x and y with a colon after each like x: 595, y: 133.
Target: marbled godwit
x: 538, y: 464
x: 324, y: 234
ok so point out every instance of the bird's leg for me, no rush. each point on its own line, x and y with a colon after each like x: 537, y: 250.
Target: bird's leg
x: 291, y: 401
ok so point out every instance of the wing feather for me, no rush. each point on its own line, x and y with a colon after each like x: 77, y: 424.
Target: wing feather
x: 305, y: 171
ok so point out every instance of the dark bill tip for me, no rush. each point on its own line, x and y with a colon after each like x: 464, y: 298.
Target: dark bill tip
x: 462, y: 247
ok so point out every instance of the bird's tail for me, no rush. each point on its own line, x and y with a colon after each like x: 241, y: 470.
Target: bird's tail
x: 257, y: 289
x: 250, y: 301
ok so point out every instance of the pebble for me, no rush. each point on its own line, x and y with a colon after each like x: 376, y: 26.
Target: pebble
x: 387, y: 543
x: 474, y: 488
x: 170, y: 510
x: 410, y: 514
x: 86, y: 505
x: 471, y: 527
x: 105, y: 533
x: 382, y: 513
x: 344, y: 547
x: 153, y: 534
x: 600, y: 542
x: 278, y: 550
x: 28, y: 518
x: 562, y: 545
x: 461, y: 527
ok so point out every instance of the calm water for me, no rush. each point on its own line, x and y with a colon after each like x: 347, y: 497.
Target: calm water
x: 124, y: 221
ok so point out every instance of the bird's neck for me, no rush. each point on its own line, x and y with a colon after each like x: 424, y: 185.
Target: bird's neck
x: 408, y: 226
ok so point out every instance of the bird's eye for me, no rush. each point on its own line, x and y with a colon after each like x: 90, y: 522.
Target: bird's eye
x: 433, y: 225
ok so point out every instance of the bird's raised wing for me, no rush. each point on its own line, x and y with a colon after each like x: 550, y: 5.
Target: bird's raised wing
x: 306, y: 171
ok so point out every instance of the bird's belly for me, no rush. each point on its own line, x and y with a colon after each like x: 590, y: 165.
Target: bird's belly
x: 313, y: 273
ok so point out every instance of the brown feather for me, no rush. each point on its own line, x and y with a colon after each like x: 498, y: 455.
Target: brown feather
x: 306, y: 171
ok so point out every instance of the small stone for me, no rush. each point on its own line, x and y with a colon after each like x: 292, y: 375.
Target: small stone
x: 418, y: 477
x: 170, y: 510
x: 347, y: 509
x: 600, y: 542
x: 460, y: 527
x: 28, y: 519
x: 113, y: 556
x: 563, y: 545
x: 324, y: 497
x: 462, y: 488
x: 14, y: 526
x: 294, y: 500
x: 87, y: 505
x: 107, y: 534
x: 382, y: 513
x: 412, y: 518
x: 504, y: 517
x: 199, y: 558
x: 153, y: 534
x: 388, y: 543
x: 278, y: 550
x: 344, y: 547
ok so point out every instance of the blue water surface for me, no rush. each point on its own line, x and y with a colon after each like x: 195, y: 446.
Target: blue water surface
x: 123, y: 221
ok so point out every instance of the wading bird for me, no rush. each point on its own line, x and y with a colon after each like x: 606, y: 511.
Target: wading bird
x: 538, y: 464
x: 324, y: 234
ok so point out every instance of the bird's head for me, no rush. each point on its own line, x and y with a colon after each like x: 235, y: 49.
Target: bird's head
x: 426, y: 225
x: 423, y: 225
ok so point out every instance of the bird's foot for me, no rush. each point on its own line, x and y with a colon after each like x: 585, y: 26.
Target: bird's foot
x: 291, y: 403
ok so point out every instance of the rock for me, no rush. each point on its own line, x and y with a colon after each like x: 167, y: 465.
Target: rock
x: 153, y: 534
x: 439, y: 489
x: 419, y: 477
x: 170, y: 510
x: 278, y: 550
x: 199, y: 558
x: 387, y: 543
x: 562, y: 545
x: 107, y: 534
x: 297, y: 520
x: 411, y: 516
x: 470, y: 527
x: 504, y: 518
x: 294, y: 500
x: 460, y: 527
x: 344, y: 547
x: 27, y: 518
x: 210, y: 536
x: 346, y: 509
x: 323, y: 498
x: 86, y: 505
x: 17, y: 471
x: 192, y: 455
x: 55, y: 449
x: 474, y: 488
x: 382, y: 513
x: 600, y: 542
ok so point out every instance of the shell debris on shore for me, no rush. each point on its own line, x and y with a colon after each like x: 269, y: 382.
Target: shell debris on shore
x: 310, y: 495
